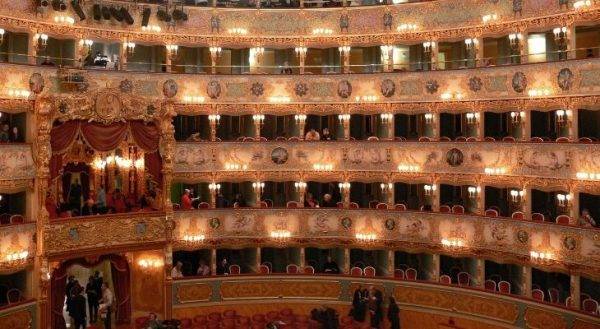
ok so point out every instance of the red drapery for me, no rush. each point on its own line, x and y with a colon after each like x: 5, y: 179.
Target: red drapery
x: 122, y: 290
x: 105, y: 138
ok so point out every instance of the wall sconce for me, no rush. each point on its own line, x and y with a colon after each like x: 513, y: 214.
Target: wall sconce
x: 489, y: 18
x: 541, y: 257
x: 152, y: 28
x: 515, y: 40
x: 408, y: 168
x: 494, y: 170
x: 214, y: 187
x: 193, y: 99
x: 194, y: 238
x: 587, y: 176
x: 86, y: 45
x: 18, y: 93
x: 344, y: 118
x: 366, y: 237
x: 560, y: 34
x: 215, y: 52
x: 366, y: 98
x: 344, y: 50
x: 582, y: 4
x: 386, y: 187
x: 322, y: 167
x: 150, y: 263
x: 300, y: 118
x: 517, y: 117
x: 453, y: 243
x: 322, y: 31
x: 406, y: 27
x: 428, y: 46
x: 41, y: 41
x: 344, y: 187
x: 258, y: 187
x: 281, y: 234
x: 172, y: 51
x: 563, y: 116
x: 237, y: 30
x: 300, y: 51
x: 2, y: 36
x: 472, y: 118
x: 386, y: 117
x: 429, y: 189
x: 258, y: 52
x: 64, y: 19
x: 235, y: 166
x: 259, y: 119
x: 473, y: 191
x: 516, y: 195
x: 299, y: 185
x: 447, y: 96
x: 472, y: 44
x: 564, y: 199
x: 17, y: 257
x: 214, y: 118
x: 538, y: 92
x: 279, y: 99
x: 129, y: 48
x: 428, y: 118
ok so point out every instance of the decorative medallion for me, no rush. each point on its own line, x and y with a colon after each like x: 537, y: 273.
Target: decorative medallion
x: 344, y: 22
x: 141, y: 228
x: 126, y: 86
x: 215, y: 23
x: 36, y: 83
x: 279, y: 155
x: 388, y: 20
x: 519, y: 82
x: 213, y: 89
x: 390, y: 224
x: 570, y: 243
x: 454, y: 157
x: 74, y: 234
x: 257, y: 89
x: 150, y: 110
x: 522, y: 236
x: 170, y: 88
x: 432, y: 86
x: 63, y: 108
x: 344, y: 89
x: 388, y: 88
x: 346, y: 223
x: 301, y: 89
x: 565, y: 79
x: 475, y: 84
x: 108, y: 105
x: 517, y: 6
x: 214, y: 223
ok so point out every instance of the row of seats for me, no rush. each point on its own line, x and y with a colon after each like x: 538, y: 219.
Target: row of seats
x: 6, y: 219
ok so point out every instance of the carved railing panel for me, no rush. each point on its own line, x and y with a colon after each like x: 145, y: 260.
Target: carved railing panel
x: 22, y: 316
x: 17, y: 239
x: 17, y: 168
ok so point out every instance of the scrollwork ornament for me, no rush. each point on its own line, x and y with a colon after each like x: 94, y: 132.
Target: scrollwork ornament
x: 257, y: 89
x: 36, y: 83
x: 519, y: 82
x: 170, y: 88
x: 301, y: 89
x: 126, y: 86
x: 388, y: 88
x: 432, y: 86
x: 475, y: 84
x: 565, y: 79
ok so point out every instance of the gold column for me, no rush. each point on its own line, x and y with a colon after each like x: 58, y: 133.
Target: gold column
x: 346, y: 268
x: 575, y: 291
x: 524, y: 48
x: 302, y: 257
x: 258, y: 259
x: 435, y: 268
x: 479, y: 277
x: 571, y: 46
x: 213, y: 261
x: 526, y: 126
x: 391, y: 263
x: 32, y: 48
x: 168, y: 302
x: 526, y: 281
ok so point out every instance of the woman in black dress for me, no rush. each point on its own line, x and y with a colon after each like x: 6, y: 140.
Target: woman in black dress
x: 393, y: 314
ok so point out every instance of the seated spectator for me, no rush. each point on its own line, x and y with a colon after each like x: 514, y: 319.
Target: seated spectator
x: 89, y: 208
x: 5, y: 133
x: 310, y: 202
x: 312, y: 135
x: 586, y: 219
x: 176, y: 271
x: 51, y: 206
x: 145, y: 204
x: 328, y: 201
x: 222, y: 202
x: 223, y: 267
x: 331, y: 267
x: 239, y: 201
x: 186, y: 200
x: 203, y: 269
x: 327, y: 135
x: 153, y: 322
x: 47, y: 62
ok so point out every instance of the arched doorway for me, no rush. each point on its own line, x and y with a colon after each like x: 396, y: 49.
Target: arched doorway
x: 114, y: 270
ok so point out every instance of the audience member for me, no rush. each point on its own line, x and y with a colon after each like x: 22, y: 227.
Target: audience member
x: 223, y: 267
x: 89, y: 208
x: 153, y: 322
x: 309, y: 201
x: 328, y: 201
x: 92, y: 298
x: 105, y: 308
x: 239, y: 201
x: 375, y: 308
x: 586, y: 220
x: 359, y: 300
x: 221, y: 201
x: 176, y: 271
x: 203, y: 268
x: 78, y: 309
x: 47, y: 62
x: 15, y: 135
x: 186, y: 200
x: 286, y: 69
x: 51, y: 206
x: 393, y: 314
x: 5, y: 133
x: 312, y: 135
x: 331, y: 267
x: 101, y: 199
x: 327, y: 135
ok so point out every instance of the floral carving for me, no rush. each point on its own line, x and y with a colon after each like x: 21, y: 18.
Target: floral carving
x: 519, y: 82
x: 388, y: 88
x: 388, y: 20
x: 36, y: 83
x: 170, y: 88
x: 213, y: 89
x: 257, y: 89
x: 475, y: 84
x: 344, y: 89
x: 344, y: 22
x: 126, y: 86
x: 565, y: 79
x: 301, y: 89
x: 432, y: 86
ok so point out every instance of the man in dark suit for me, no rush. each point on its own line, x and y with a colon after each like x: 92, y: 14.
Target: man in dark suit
x: 92, y: 299
x: 78, y: 309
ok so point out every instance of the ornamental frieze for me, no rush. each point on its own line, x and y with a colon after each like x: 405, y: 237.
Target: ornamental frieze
x: 16, y: 165
x: 16, y: 239
x: 493, y: 238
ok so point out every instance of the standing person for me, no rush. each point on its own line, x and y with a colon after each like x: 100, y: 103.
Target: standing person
x: 223, y: 268
x: 331, y: 267
x: 358, y: 305
x: 203, y: 268
x: 92, y: 298
x: 176, y: 272
x: 101, y: 199
x: 393, y: 314
x: 106, y: 305
x: 68, y: 288
x: 375, y: 309
x: 78, y: 308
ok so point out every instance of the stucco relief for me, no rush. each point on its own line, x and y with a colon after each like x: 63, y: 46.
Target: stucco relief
x: 16, y: 162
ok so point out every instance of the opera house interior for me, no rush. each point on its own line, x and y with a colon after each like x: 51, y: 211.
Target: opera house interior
x: 299, y: 164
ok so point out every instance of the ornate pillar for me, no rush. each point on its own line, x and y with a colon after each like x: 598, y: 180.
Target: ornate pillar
x: 122, y: 56
x: 345, y: 121
x: 213, y: 261
x: 575, y: 291
x: 32, y: 47
x: 345, y: 58
x: 387, y: 57
x: 570, y: 43
x: 302, y: 257
x: 435, y: 268
x: 523, y: 49
x: 213, y: 130
x: 391, y: 263
x: 478, y: 53
x: 433, y: 55
x: 168, y: 302
x: 479, y: 276
x: 301, y: 54
x: 387, y: 193
x: 345, y: 192
x: 526, y: 281
x: 301, y: 188
x: 346, y: 266
x: 258, y: 120
x: 168, y: 62
x: 574, y: 206
x: 257, y: 259
x: 527, y: 203
x: 573, y: 124
x: 526, y: 125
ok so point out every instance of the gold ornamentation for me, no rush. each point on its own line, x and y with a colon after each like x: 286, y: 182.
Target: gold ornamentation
x: 251, y: 289
x: 541, y: 319
x: 190, y: 293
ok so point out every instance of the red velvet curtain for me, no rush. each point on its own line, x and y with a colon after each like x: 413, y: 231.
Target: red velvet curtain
x: 121, y: 288
x: 120, y: 276
x: 106, y: 138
